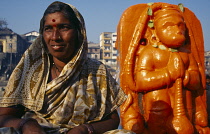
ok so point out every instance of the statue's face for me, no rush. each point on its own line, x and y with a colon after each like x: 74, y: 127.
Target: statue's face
x: 170, y: 29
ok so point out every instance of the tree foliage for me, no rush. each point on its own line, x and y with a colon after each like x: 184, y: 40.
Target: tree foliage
x: 3, y: 23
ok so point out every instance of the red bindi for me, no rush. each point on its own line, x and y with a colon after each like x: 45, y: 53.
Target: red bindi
x: 54, y: 25
x: 53, y: 20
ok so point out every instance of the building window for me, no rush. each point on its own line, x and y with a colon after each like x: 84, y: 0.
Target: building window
x: 207, y: 63
x: 106, y: 41
x: 1, y: 46
x: 106, y: 55
x: 107, y: 35
x: 107, y: 48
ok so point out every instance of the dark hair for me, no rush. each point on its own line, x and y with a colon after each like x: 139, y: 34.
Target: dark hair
x: 63, y: 8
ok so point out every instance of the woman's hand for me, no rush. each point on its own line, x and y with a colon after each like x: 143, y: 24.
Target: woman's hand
x: 11, y: 117
x: 31, y: 127
x: 81, y: 129
x: 109, y: 123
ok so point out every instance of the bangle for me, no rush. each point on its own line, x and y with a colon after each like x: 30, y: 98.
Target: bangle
x: 90, y: 128
x: 23, y: 122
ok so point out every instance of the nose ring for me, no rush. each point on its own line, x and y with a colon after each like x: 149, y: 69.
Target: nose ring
x: 59, y: 37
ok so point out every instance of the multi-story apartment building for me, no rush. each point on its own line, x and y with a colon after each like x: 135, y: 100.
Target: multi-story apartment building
x: 94, y: 50
x: 108, y: 50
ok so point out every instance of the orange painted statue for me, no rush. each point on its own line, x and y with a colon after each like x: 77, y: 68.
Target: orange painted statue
x: 161, y: 58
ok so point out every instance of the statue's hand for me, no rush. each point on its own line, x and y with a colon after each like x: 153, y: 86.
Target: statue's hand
x: 176, y: 67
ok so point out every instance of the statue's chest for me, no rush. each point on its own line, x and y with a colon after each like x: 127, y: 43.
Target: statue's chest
x: 162, y: 58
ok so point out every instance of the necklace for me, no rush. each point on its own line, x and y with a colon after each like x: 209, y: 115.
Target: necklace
x: 163, y: 47
x: 56, y: 68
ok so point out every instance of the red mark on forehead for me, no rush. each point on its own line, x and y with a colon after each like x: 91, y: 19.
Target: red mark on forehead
x: 53, y: 20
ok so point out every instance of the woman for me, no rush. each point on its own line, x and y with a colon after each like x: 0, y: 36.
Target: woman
x: 56, y: 87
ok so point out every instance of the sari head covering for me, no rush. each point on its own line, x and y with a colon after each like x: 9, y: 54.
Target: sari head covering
x: 83, y: 92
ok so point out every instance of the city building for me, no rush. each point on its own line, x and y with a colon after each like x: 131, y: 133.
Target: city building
x: 94, y: 50
x: 12, y: 46
x: 207, y: 62
x: 31, y: 36
x: 108, y: 50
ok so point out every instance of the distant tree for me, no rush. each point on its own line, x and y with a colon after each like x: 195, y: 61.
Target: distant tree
x: 3, y: 23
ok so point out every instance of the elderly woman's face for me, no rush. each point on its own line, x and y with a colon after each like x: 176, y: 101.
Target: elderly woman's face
x: 60, y: 36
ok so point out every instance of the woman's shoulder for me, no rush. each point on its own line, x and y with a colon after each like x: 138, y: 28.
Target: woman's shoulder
x: 94, y: 64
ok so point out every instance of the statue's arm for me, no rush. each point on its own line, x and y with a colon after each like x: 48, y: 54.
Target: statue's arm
x: 192, y: 79
x: 149, y: 78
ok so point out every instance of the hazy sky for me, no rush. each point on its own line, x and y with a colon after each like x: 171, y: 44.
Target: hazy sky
x: 100, y: 15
